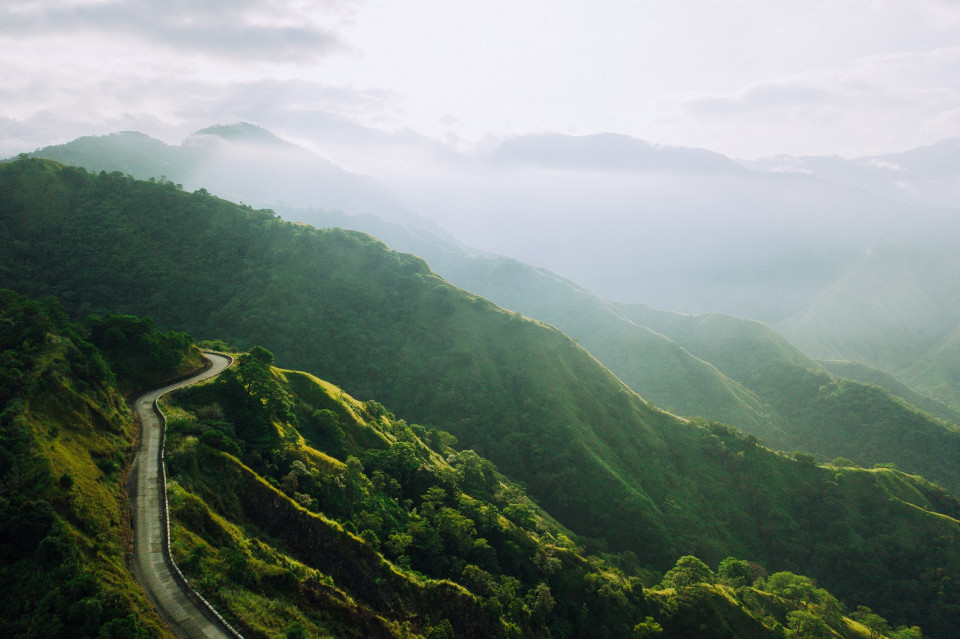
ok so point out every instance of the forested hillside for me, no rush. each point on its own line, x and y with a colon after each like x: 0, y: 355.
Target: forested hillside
x: 808, y: 409
x: 379, y: 324
x: 369, y: 527
x: 381, y: 528
x: 652, y: 364
x: 65, y: 438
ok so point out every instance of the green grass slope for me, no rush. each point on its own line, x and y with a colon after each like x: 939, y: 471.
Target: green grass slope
x: 380, y: 324
x: 870, y: 375
x: 297, y: 504
x: 654, y: 366
x: 297, y: 507
x: 816, y: 412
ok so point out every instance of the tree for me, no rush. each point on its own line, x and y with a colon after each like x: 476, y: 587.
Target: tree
x: 806, y: 625
x: 876, y: 624
x: 688, y: 571
x: 262, y: 355
x: 296, y: 631
x: 443, y: 630
x: 540, y: 601
x: 734, y: 572
x: 647, y: 628
x: 904, y: 632
x: 803, y: 589
x: 794, y: 587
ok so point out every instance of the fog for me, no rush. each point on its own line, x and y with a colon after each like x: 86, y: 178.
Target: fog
x: 489, y: 125
x: 674, y: 228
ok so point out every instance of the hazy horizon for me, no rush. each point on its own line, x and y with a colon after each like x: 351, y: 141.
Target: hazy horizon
x: 757, y: 80
x: 559, y: 134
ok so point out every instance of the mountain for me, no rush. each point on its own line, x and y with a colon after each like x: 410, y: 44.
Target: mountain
x: 375, y: 528
x: 619, y: 473
x: 684, y: 229
x: 938, y: 372
x: 446, y: 538
x: 710, y: 376
x: 869, y: 375
x: 659, y: 370
x: 807, y: 408
x: 66, y: 436
x: 925, y: 175
x: 234, y: 161
x: 653, y: 359
x: 651, y: 364
x: 677, y: 380
x: 609, y: 151
x: 896, y: 310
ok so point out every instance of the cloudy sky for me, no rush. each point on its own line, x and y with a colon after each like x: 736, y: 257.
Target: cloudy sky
x: 747, y: 78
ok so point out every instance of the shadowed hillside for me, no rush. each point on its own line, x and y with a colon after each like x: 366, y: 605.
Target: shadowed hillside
x: 66, y: 436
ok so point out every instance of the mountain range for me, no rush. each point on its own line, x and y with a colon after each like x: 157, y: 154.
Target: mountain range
x: 619, y: 473
x: 925, y: 175
x: 682, y: 229
x: 892, y: 308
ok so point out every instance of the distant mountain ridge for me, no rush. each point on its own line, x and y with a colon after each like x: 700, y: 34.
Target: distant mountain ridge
x: 679, y: 228
x: 926, y: 175
x: 610, y: 151
x: 795, y: 266
x: 233, y: 160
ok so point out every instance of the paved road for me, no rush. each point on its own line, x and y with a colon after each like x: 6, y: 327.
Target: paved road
x: 151, y: 565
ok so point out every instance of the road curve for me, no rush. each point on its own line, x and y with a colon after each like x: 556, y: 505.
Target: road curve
x: 187, y: 613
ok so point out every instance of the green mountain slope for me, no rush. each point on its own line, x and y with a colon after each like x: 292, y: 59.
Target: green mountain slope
x: 889, y: 310
x: 663, y: 371
x: 289, y: 541
x: 870, y: 375
x: 783, y: 409
x: 296, y: 506
x: 937, y: 373
x: 818, y: 413
x: 657, y: 368
x: 363, y: 529
x: 380, y: 324
x: 651, y: 364
x: 65, y: 438
x: 892, y: 311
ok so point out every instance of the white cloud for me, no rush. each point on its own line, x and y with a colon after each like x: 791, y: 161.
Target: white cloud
x: 888, y: 166
x: 880, y: 102
x: 170, y: 107
x: 247, y: 29
x: 746, y: 78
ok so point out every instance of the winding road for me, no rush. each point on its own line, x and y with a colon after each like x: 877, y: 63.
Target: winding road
x: 187, y: 613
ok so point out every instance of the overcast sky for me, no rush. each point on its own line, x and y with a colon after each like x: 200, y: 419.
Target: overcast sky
x: 747, y: 78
